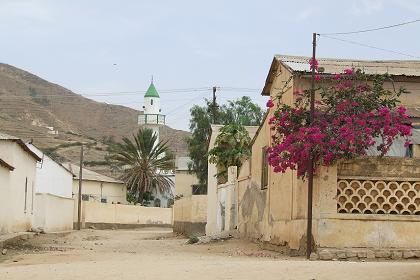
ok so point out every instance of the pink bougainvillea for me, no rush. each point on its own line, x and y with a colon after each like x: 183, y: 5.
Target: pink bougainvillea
x: 270, y: 103
x: 350, y: 117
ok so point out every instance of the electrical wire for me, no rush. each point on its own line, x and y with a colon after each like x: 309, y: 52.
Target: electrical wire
x: 369, y: 46
x: 372, y: 29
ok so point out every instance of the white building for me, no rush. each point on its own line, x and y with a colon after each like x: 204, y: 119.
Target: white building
x: 17, y: 183
x: 53, y: 195
x: 97, y: 187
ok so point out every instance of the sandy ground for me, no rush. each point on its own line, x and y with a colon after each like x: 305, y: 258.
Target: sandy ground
x: 158, y: 254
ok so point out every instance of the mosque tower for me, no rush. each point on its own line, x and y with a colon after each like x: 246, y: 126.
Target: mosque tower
x: 151, y: 116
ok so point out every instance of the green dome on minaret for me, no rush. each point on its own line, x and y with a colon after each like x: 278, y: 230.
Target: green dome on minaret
x: 151, y: 91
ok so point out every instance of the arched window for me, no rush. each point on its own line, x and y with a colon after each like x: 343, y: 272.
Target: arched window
x: 151, y: 101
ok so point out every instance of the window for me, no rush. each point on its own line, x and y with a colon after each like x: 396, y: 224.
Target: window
x: 409, y: 151
x: 151, y: 101
x: 26, y: 194
x: 103, y: 200
x: 32, y: 196
x: 85, y: 197
x: 264, y: 169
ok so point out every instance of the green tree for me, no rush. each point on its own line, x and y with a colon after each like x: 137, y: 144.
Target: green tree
x: 141, y: 160
x: 231, y: 149
x: 241, y: 111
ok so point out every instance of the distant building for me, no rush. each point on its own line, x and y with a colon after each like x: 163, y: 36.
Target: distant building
x: 186, y: 182
x: 17, y: 184
x: 97, y: 187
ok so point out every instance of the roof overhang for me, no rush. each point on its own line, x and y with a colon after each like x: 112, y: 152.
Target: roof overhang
x: 270, y: 77
x: 6, y: 165
x: 25, y: 148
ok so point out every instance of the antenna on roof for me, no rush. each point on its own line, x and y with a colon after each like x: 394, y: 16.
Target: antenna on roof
x: 152, y: 80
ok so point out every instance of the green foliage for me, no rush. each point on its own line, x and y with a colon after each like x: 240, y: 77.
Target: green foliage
x: 197, y: 143
x: 141, y: 159
x: 193, y: 239
x: 231, y: 148
x: 241, y: 111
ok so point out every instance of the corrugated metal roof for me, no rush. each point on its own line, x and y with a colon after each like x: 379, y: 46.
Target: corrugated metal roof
x: 90, y: 175
x: 370, y: 67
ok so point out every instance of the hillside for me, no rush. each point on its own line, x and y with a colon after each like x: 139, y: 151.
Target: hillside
x: 30, y: 104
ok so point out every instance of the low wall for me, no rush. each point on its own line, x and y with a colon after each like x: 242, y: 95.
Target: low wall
x: 190, y: 215
x: 53, y: 213
x: 107, y: 215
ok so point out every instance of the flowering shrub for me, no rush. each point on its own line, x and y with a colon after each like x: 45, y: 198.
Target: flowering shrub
x: 349, y: 115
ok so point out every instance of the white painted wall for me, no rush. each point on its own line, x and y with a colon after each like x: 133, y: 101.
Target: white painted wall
x: 150, y: 108
x: 51, y: 177
x: 15, y: 202
x: 53, y: 213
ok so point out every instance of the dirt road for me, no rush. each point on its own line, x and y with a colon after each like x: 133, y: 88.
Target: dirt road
x: 158, y: 254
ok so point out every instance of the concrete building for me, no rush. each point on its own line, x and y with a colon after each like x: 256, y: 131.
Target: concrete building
x: 186, y: 182
x: 221, y: 196
x: 17, y: 184
x: 97, y: 187
x: 53, y: 195
x: 368, y: 203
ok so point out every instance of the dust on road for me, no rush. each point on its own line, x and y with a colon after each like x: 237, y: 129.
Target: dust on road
x: 159, y: 254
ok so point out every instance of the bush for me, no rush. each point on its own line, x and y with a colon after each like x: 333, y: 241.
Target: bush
x: 193, y: 239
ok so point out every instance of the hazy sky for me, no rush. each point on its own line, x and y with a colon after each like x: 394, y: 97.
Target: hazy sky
x: 99, y: 46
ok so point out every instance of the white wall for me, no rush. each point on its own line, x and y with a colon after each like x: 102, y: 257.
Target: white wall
x: 53, y: 213
x: 17, y: 203
x: 94, y: 212
x: 151, y: 108
x: 51, y: 177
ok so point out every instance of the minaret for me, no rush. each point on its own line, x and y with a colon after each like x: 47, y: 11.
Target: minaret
x: 151, y: 116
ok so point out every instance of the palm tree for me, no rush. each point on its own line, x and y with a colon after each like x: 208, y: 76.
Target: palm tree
x: 142, y: 162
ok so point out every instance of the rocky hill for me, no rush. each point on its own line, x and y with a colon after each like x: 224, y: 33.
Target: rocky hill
x: 33, y: 108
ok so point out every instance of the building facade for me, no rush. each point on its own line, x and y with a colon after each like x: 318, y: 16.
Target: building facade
x: 367, y: 203
x: 17, y: 184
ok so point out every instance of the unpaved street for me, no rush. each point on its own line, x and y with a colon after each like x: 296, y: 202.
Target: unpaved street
x: 158, y: 254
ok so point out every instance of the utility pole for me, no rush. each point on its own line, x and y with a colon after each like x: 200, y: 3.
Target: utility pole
x: 311, y: 159
x: 79, y: 201
x: 214, y: 106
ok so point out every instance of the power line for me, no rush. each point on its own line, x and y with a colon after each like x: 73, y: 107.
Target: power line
x: 369, y: 46
x: 372, y: 29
